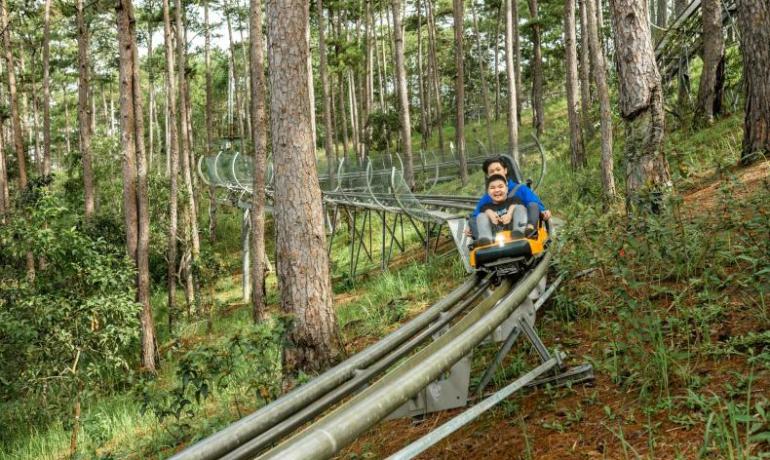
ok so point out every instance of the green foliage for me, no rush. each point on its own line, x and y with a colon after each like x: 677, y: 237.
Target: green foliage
x: 72, y: 328
x: 241, y: 368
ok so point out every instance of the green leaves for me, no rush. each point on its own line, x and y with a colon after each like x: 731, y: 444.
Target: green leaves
x: 75, y: 326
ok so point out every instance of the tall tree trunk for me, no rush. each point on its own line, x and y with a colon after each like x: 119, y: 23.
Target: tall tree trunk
x: 710, y: 89
x: 18, y: 140
x: 36, y: 128
x: 497, y: 61
x: 403, y: 94
x: 259, y: 133
x: 538, y: 109
x: 353, y: 110
x: 209, y: 115
x: 641, y: 107
x: 92, y: 98
x: 379, y: 51
x: 577, y: 157
x: 246, y: 110
x: 186, y: 155
x: 236, y: 94
x: 329, y: 131
x: 513, y: 125
x: 424, y: 111
x: 754, y: 25
x: 662, y: 20
x: 368, y: 101
x: 343, y: 116
x: 436, y: 73
x: 303, y: 265
x: 151, y: 90
x: 459, y: 22
x: 483, y: 78
x: 47, y: 88
x: 585, y: 71
x: 683, y: 72
x: 67, y: 121
x: 84, y: 111
x: 5, y: 199
x: 135, y: 174
x: 517, y: 60
x: 600, y: 78
x: 173, y: 165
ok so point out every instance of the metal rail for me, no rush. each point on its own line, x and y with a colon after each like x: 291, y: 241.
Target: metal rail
x: 258, y: 444
x: 244, y: 430
x: 336, y: 430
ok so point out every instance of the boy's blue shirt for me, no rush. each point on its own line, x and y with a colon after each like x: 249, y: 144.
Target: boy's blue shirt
x: 523, y: 193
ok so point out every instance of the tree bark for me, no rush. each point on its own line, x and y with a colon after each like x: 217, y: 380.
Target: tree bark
x: 173, y: 162
x: 538, y: 109
x: 236, y: 95
x: 710, y: 89
x: 135, y: 174
x: 513, y: 125
x: 662, y: 20
x: 435, y: 73
x: 326, y: 94
x: 424, y: 111
x: 497, y: 61
x: 517, y: 60
x: 303, y: 265
x: 84, y: 111
x: 47, y: 88
x: 185, y: 151
x: 459, y: 22
x: 600, y: 78
x: 150, y: 90
x: 67, y: 121
x: 259, y: 133
x: 18, y: 140
x: 754, y: 25
x: 577, y: 157
x: 585, y: 72
x: 641, y: 107
x: 403, y: 94
x: 683, y: 72
x: 483, y: 78
x: 5, y: 200
x: 343, y: 116
x: 209, y: 117
x: 368, y: 102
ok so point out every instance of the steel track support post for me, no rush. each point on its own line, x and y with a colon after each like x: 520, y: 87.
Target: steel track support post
x: 335, y: 220
x: 499, y: 356
x: 353, y: 218
x: 383, y: 256
x: 534, y: 339
x: 440, y: 226
x: 371, y: 246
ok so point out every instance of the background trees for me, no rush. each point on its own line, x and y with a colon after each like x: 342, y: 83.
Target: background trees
x: 386, y: 72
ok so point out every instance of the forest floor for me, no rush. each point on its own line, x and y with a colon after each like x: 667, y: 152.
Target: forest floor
x: 691, y: 381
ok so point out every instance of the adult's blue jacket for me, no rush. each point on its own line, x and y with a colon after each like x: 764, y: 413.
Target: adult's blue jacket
x: 523, y: 193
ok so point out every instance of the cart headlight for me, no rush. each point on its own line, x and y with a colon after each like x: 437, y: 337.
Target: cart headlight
x: 500, y: 239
